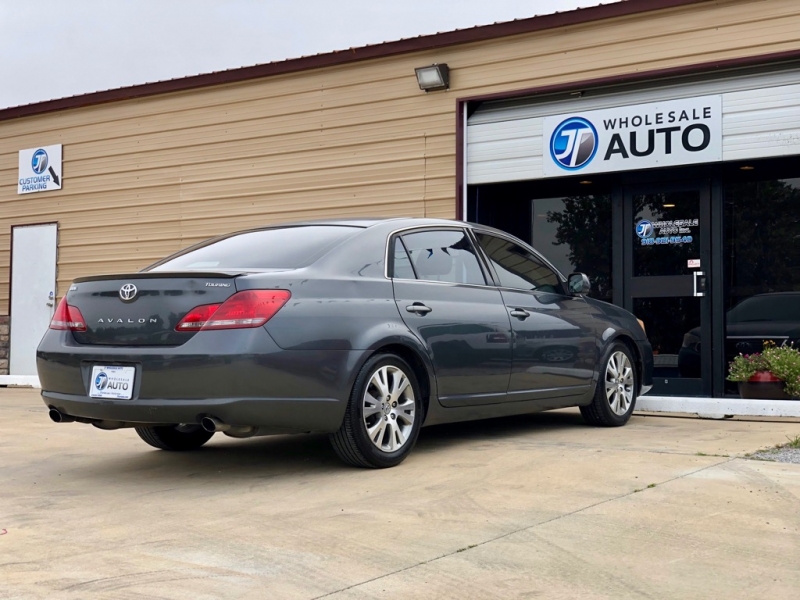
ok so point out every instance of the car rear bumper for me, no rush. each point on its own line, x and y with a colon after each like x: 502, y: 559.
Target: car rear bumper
x: 240, y: 379
x: 278, y: 415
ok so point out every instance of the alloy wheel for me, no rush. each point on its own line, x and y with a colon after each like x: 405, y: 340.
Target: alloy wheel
x: 619, y: 383
x: 389, y: 408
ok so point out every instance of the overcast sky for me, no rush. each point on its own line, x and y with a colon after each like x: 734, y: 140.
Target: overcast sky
x: 55, y: 48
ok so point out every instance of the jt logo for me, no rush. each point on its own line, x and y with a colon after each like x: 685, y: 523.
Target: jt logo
x: 573, y: 143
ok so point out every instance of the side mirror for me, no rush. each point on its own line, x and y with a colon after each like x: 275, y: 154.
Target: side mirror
x: 578, y: 283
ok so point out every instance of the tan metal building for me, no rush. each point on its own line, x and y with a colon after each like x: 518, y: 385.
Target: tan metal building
x: 153, y: 168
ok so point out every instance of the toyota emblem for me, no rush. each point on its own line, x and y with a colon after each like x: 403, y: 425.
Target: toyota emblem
x: 128, y: 292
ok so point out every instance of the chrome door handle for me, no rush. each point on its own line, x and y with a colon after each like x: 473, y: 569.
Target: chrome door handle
x: 699, y: 283
x: 520, y: 314
x: 418, y: 308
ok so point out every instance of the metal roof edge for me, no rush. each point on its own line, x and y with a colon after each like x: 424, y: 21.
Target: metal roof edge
x: 479, y: 33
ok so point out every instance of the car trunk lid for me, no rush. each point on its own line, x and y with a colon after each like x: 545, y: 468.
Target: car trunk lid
x: 143, y: 309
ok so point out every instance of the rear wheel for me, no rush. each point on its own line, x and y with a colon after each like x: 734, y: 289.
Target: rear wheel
x: 175, y: 437
x: 383, y: 416
x: 615, y: 396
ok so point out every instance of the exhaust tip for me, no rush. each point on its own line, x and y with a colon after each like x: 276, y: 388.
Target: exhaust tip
x: 213, y: 425
x: 58, y: 417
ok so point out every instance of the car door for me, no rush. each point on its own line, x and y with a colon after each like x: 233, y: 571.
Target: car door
x: 554, y: 343
x: 442, y: 294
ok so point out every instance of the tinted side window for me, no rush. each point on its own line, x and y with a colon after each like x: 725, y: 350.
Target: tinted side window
x: 280, y: 248
x: 517, y: 268
x: 402, y: 263
x: 444, y: 256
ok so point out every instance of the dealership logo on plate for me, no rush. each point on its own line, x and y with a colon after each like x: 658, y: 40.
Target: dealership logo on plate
x: 573, y: 143
x: 101, y: 381
x: 644, y: 229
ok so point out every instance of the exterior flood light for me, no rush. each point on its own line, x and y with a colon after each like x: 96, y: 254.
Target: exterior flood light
x: 433, y: 78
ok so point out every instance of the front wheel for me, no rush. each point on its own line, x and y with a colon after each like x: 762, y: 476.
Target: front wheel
x: 175, y: 437
x: 383, y: 416
x: 615, y: 396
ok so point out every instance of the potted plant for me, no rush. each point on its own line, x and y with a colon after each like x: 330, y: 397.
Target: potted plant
x: 773, y: 373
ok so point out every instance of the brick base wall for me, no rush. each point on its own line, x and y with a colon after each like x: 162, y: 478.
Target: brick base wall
x: 4, y: 345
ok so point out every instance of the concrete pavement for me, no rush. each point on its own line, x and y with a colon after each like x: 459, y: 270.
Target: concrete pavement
x: 534, y: 507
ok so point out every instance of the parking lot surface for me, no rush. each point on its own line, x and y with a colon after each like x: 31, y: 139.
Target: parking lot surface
x: 540, y: 506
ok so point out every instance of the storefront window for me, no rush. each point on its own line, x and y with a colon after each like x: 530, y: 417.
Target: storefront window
x: 667, y: 226
x: 574, y: 233
x: 762, y: 265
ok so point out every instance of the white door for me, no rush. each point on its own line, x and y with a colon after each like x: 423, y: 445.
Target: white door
x: 33, y: 289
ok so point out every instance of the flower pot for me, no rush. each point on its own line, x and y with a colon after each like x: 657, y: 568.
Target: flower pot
x: 763, y: 386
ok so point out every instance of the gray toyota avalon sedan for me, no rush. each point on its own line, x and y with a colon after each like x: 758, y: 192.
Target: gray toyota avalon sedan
x: 363, y: 329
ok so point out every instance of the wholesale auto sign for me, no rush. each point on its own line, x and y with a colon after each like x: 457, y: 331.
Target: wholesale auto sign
x: 643, y: 136
x: 39, y: 169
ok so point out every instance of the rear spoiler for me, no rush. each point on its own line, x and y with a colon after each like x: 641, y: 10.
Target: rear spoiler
x: 163, y: 275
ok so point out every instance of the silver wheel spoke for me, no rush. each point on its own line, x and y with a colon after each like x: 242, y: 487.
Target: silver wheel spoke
x: 380, y: 380
x: 393, y: 445
x: 612, y: 368
x: 399, y: 388
x: 615, y: 401
x: 406, y: 417
x: 372, y: 405
x: 372, y: 410
x: 376, y: 432
x: 399, y: 438
x: 405, y: 404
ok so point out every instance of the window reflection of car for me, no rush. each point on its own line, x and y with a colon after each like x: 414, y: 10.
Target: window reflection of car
x: 463, y: 346
x: 558, y: 353
x: 552, y: 344
x: 774, y: 316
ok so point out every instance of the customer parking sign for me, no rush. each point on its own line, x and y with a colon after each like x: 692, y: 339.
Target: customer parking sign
x: 39, y: 169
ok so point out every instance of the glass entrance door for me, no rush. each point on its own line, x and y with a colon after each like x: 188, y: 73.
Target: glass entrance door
x: 666, y: 260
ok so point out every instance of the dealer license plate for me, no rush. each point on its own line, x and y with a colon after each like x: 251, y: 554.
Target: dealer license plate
x: 112, y: 382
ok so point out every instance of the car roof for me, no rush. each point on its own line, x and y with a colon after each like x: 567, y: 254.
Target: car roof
x: 367, y: 222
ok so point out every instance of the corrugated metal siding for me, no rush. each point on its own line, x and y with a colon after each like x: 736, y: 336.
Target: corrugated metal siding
x: 761, y: 122
x: 145, y: 177
x: 504, y: 151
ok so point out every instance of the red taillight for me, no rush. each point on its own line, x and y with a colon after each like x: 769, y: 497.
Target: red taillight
x: 197, y: 317
x: 67, y: 317
x: 251, y: 308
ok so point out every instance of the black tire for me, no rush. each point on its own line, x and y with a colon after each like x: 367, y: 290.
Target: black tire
x: 175, y: 437
x: 603, y: 411
x: 352, y: 442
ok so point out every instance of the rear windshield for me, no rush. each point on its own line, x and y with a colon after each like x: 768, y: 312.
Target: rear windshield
x: 285, y: 248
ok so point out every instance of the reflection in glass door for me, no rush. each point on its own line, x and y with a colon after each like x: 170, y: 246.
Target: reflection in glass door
x: 665, y: 274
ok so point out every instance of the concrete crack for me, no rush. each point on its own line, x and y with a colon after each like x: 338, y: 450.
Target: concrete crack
x: 516, y: 531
